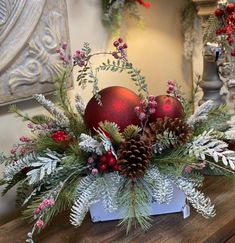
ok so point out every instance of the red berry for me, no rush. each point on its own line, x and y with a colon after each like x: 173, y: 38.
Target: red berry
x: 230, y: 7
x: 109, y: 154
x: 116, y: 43
x: 120, y: 40
x: 124, y: 46
x: 219, y: 12
x: 102, y: 167
x: 116, y: 167
x: 112, y: 161
x: 103, y: 159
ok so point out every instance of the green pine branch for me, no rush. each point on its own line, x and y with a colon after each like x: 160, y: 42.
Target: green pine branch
x: 134, y: 200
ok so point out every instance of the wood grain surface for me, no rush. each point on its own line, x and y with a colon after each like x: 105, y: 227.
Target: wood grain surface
x: 170, y: 228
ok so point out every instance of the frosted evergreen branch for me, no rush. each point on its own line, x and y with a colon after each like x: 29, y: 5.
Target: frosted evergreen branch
x: 160, y: 185
x: 201, y: 113
x: 12, y: 169
x: 165, y: 141
x: 79, y: 104
x: 43, y: 166
x: 60, y: 118
x: 89, y: 144
x: 197, y: 199
x: 206, y: 145
x: 110, y: 185
x: 87, y: 191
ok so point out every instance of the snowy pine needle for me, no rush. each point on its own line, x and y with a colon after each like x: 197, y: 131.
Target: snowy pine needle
x: 201, y: 113
x: 60, y: 118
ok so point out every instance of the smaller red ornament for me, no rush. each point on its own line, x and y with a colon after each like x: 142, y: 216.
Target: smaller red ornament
x: 167, y: 106
x: 103, y: 167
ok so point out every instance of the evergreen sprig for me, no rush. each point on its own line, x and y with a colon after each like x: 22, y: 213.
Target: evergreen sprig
x: 120, y: 66
x: 134, y: 200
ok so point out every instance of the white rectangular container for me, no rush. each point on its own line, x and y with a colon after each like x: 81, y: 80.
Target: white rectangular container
x: 177, y: 204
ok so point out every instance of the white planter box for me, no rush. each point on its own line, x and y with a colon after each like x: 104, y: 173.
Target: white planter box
x: 177, y: 204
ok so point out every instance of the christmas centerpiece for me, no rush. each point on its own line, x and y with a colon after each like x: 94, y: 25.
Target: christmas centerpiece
x: 123, y: 149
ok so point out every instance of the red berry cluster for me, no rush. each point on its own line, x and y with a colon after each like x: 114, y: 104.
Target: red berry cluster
x: 146, y: 108
x: 226, y: 15
x: 107, y: 161
x: 60, y: 136
x: 80, y: 58
x: 64, y: 56
x: 120, y: 49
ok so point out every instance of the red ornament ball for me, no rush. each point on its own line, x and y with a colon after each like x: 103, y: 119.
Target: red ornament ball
x: 118, y: 104
x: 167, y: 106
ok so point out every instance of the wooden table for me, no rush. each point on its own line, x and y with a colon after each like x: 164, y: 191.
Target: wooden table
x: 166, y: 228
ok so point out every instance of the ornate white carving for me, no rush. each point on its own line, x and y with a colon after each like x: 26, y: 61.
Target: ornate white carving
x: 30, y: 36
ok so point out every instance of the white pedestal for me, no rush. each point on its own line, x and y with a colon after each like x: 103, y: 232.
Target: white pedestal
x: 177, y: 204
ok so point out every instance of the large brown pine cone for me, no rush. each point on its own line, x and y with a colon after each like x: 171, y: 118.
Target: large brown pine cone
x: 179, y: 128
x: 134, y: 157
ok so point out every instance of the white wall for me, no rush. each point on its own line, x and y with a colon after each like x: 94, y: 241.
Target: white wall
x: 157, y: 51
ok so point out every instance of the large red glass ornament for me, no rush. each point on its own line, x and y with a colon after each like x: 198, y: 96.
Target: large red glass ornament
x: 167, y: 106
x: 118, y: 104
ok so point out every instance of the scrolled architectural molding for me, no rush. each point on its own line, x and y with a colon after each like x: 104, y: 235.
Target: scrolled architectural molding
x: 30, y: 33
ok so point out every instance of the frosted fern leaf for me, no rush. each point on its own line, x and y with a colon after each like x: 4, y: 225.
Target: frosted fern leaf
x: 89, y: 144
x: 110, y: 185
x: 44, y: 165
x: 160, y: 186
x: 14, y: 168
x: 201, y: 113
x: 205, y: 145
x: 87, y: 191
x: 197, y: 199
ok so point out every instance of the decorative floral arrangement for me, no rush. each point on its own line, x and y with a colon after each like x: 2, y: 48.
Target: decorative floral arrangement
x: 225, y: 30
x: 114, y: 11
x: 122, y: 148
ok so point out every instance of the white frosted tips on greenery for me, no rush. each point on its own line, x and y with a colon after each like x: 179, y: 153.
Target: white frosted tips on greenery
x: 14, y: 168
x: 197, y: 199
x: 43, y: 166
x: 205, y: 145
x: 160, y: 185
x: 201, y: 113
x: 79, y: 104
x: 87, y: 191
x: 109, y: 189
x: 89, y: 144
x: 60, y: 118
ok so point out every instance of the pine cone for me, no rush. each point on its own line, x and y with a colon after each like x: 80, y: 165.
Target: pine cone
x: 134, y: 157
x: 179, y: 128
